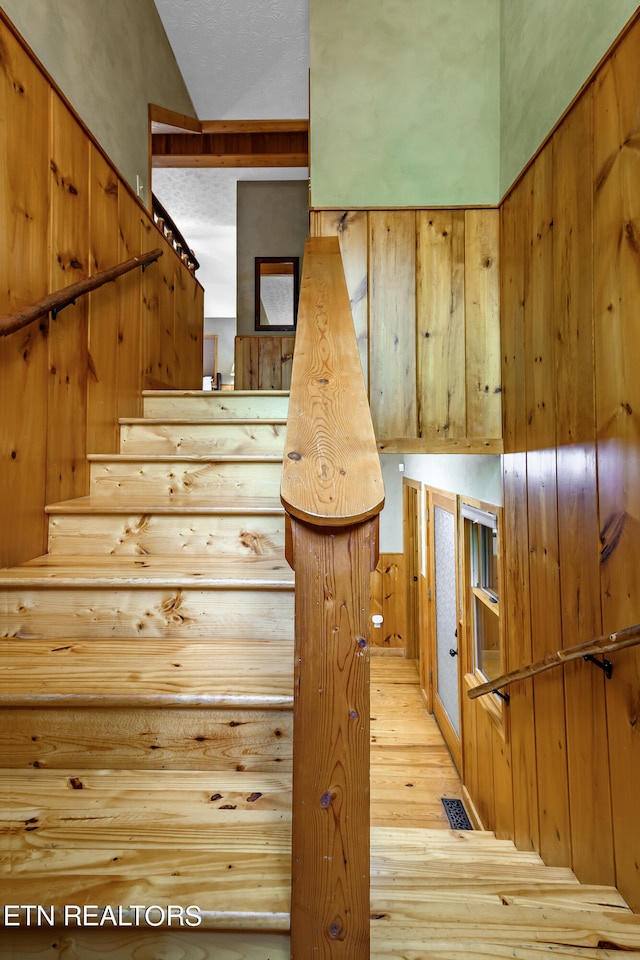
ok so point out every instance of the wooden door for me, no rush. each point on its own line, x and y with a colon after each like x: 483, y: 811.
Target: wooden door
x: 411, y: 532
x: 443, y: 584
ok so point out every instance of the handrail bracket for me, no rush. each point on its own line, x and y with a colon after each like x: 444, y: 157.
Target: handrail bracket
x: 604, y: 664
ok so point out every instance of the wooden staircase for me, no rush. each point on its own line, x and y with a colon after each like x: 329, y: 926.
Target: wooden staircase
x: 145, y: 731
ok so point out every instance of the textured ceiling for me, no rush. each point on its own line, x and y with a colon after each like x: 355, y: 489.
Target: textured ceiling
x: 241, y: 60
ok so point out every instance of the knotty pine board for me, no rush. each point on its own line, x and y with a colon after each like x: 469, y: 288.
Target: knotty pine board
x: 617, y: 349
x: 388, y: 600
x: 102, y: 398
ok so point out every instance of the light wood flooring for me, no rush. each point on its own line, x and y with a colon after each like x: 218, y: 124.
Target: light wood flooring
x: 411, y: 767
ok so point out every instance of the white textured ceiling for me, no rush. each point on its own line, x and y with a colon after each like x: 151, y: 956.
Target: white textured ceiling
x: 241, y: 60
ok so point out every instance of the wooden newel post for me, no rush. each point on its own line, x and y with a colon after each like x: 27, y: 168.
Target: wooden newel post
x: 330, y: 860
x: 332, y: 491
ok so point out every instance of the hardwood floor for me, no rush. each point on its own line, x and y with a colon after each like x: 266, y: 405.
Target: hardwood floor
x: 411, y: 767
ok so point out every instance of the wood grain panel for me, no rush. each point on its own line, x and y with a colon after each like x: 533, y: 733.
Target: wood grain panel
x: 515, y: 539
x: 482, y: 323
x: 67, y: 474
x: 387, y: 599
x: 129, y: 369
x: 514, y: 234
x: 578, y: 532
x: 102, y: 399
x: 24, y: 188
x: 539, y: 334
x: 617, y: 348
x: 392, y: 323
x: 546, y: 636
x: 263, y: 363
x: 159, y: 358
x: 352, y: 229
x: 441, y: 324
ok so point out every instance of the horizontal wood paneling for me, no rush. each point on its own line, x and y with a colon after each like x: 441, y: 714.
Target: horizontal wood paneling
x: 424, y: 289
x: 69, y: 215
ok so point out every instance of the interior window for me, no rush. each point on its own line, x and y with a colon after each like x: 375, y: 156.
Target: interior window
x: 484, y: 590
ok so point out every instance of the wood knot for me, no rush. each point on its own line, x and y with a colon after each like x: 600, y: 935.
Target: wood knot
x: 294, y: 456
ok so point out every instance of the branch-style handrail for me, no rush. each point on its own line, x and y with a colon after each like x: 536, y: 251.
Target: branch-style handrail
x: 332, y: 492
x: 167, y: 226
x: 54, y: 302
x: 609, y: 643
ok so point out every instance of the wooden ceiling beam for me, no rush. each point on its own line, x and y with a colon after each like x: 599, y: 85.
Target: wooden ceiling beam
x: 235, y: 143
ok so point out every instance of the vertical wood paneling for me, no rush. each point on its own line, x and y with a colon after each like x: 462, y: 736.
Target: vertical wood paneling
x: 617, y: 347
x: 482, y: 323
x: 159, y: 361
x: 440, y: 325
x: 352, y: 228
x: 68, y: 357
x: 586, y: 721
x: 102, y: 399
x: 129, y: 369
x: 515, y: 217
x: 58, y: 223
x: 263, y: 363
x: 24, y: 241
x: 392, y: 323
x: 387, y: 599
x: 515, y: 539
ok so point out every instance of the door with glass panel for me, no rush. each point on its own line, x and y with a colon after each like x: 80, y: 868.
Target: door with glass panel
x: 444, y: 619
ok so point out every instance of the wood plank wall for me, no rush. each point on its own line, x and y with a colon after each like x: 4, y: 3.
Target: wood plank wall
x: 67, y: 214
x: 388, y: 601
x: 263, y: 363
x: 424, y: 288
x: 571, y: 354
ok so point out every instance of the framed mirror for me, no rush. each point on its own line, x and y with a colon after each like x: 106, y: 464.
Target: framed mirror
x: 276, y: 293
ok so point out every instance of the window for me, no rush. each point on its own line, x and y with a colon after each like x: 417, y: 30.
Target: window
x: 482, y: 598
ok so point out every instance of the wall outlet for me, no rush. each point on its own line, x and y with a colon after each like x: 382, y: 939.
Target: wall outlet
x: 139, y: 186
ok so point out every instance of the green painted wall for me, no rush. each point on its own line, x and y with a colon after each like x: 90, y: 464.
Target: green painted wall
x: 443, y: 102
x: 404, y: 102
x: 111, y: 58
x: 548, y: 50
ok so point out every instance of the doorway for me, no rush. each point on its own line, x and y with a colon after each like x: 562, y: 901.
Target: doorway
x: 442, y: 534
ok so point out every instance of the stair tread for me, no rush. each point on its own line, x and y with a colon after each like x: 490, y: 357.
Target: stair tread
x: 202, y: 673
x: 135, y: 571
x: 184, y: 458
x: 219, y: 506
x: 227, y: 394
x: 202, y: 421
x: 113, y: 837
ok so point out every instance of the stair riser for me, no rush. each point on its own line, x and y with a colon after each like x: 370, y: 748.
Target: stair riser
x: 225, y: 406
x: 146, y: 739
x: 62, y: 612
x: 202, y: 439
x: 169, y: 479
x: 163, y: 534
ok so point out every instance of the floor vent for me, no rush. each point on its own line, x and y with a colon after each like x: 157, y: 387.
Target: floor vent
x: 456, y: 814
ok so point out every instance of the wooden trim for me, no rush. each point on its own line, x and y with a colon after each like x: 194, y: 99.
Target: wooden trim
x: 254, y: 126
x: 331, y: 475
x: 170, y: 118
x: 621, y: 640
x: 425, y: 445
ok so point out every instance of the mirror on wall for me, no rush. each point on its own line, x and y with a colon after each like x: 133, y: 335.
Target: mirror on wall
x: 276, y: 293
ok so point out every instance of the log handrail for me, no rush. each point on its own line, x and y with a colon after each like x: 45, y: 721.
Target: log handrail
x: 54, y: 302
x: 332, y: 492
x: 609, y: 643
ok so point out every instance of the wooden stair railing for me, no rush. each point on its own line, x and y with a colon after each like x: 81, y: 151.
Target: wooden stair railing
x: 54, y: 302
x: 167, y: 226
x: 629, y: 637
x: 332, y: 492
